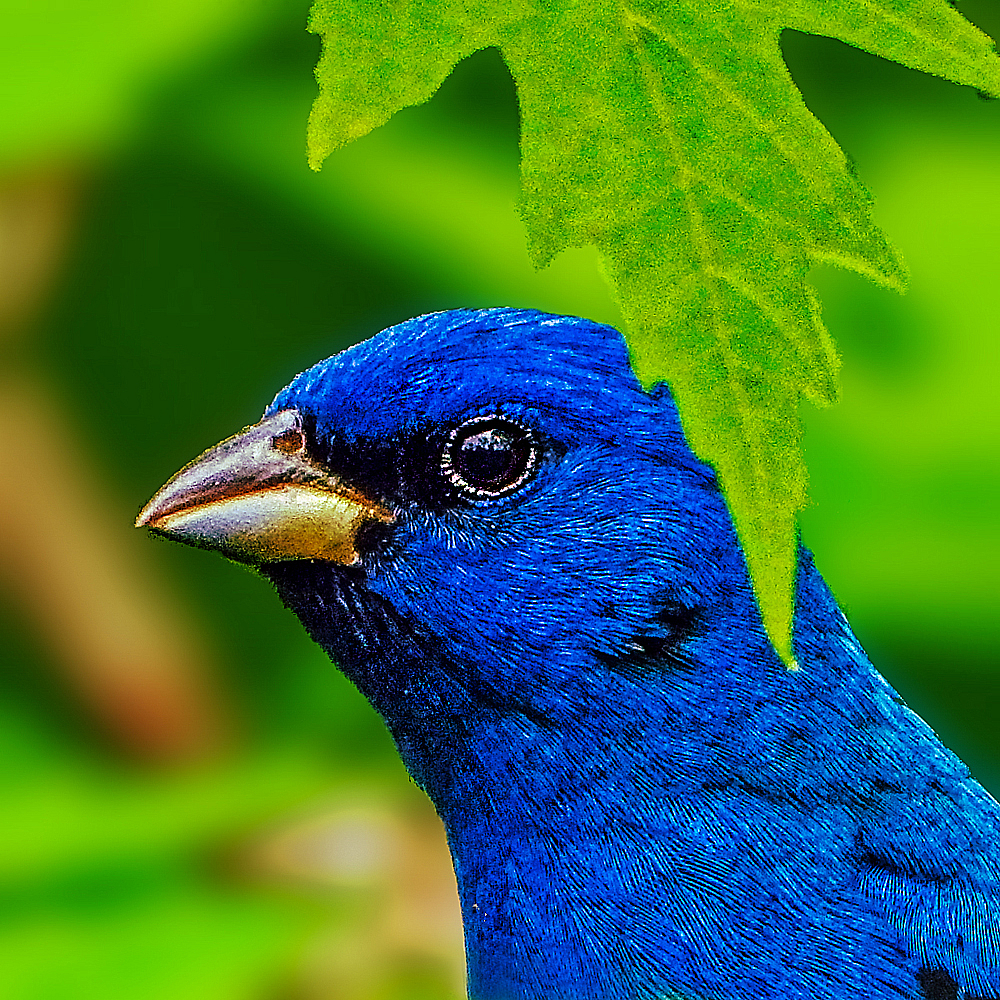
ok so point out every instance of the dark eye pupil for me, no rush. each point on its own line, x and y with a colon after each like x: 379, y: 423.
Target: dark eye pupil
x: 492, y: 458
x: 489, y: 457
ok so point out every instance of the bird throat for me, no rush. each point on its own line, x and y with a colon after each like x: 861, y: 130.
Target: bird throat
x: 522, y: 799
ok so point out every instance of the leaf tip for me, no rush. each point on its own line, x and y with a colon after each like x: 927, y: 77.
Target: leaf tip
x: 783, y: 647
x: 771, y: 553
x: 778, y: 625
x: 315, y: 161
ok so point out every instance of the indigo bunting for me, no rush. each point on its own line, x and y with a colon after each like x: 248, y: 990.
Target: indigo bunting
x: 508, y: 546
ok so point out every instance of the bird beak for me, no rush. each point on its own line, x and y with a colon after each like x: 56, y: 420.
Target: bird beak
x: 258, y: 498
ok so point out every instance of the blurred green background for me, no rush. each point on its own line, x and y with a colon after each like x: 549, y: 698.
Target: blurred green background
x: 194, y: 803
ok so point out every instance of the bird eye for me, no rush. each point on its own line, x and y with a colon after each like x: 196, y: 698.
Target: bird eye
x: 489, y: 457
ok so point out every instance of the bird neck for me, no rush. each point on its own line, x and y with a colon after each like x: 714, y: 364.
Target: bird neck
x: 533, y: 912
x: 562, y: 833
x: 599, y: 817
x: 543, y: 862
x: 583, y: 849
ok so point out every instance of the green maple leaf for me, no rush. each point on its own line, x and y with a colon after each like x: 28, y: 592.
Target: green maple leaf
x: 671, y: 136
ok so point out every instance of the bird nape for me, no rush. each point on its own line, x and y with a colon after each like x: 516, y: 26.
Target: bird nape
x: 508, y: 546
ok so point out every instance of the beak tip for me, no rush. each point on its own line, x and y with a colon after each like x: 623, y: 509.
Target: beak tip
x: 146, y: 516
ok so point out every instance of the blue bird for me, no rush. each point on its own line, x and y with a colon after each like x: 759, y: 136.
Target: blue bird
x: 508, y: 546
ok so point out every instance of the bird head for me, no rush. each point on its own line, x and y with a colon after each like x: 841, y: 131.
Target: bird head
x: 508, y: 546
x: 489, y: 525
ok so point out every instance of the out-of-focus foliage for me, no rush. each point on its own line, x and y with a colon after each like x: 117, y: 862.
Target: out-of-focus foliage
x: 104, y: 890
x: 75, y: 75
x: 209, y: 265
x: 672, y: 139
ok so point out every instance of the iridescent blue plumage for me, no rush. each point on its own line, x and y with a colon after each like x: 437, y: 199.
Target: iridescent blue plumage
x: 641, y: 800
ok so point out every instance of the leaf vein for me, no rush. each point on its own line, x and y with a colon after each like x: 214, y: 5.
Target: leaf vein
x: 792, y: 156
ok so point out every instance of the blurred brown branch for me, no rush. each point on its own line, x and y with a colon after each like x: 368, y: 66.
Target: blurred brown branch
x: 66, y: 558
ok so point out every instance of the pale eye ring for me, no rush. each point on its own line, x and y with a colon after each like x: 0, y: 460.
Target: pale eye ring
x: 489, y: 457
